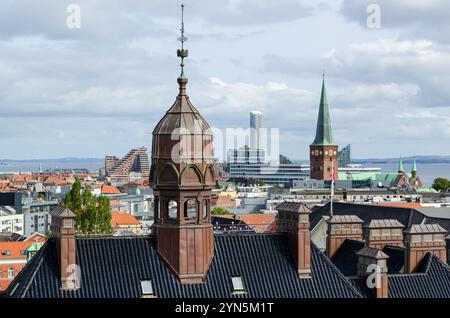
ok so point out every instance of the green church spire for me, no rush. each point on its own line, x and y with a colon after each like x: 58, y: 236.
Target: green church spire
x: 400, y: 165
x: 414, y: 167
x: 323, y: 131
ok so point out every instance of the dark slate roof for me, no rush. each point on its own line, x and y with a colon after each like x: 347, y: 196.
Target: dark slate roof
x: 367, y: 213
x: 432, y: 280
x: 113, y: 267
x: 396, y: 260
x: 346, y: 257
x: 298, y: 207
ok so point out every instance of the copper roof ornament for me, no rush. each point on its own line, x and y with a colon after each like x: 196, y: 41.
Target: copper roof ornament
x: 182, y: 53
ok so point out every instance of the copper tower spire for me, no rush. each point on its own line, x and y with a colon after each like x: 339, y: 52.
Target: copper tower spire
x: 182, y: 52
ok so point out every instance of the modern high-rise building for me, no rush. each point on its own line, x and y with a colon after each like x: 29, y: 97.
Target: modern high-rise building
x: 323, y: 151
x: 110, y: 163
x: 256, y: 118
x: 345, y: 157
x: 135, y: 161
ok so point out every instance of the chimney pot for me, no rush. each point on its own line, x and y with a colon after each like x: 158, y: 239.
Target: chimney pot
x: 63, y: 231
x: 293, y: 219
x: 340, y: 228
x: 421, y: 239
x: 370, y: 261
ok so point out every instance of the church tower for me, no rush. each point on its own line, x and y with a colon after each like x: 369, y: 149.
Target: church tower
x: 182, y: 177
x: 323, y: 151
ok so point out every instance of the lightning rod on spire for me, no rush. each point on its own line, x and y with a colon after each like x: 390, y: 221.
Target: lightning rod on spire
x: 182, y: 53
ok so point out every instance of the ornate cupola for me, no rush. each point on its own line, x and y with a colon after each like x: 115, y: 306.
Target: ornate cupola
x: 182, y: 177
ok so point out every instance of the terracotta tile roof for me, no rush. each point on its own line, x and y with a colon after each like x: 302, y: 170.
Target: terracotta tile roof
x: 36, y: 237
x: 11, y: 250
x: 110, y: 189
x: 406, y: 205
x: 121, y: 219
x: 261, y: 223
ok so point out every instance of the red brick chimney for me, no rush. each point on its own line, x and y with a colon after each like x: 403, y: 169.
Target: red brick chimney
x: 423, y: 238
x: 293, y: 219
x: 372, y: 264
x: 63, y: 231
x: 379, y: 233
x: 340, y: 228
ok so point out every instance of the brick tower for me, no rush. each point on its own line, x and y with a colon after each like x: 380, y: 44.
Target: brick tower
x: 323, y: 151
x: 182, y: 177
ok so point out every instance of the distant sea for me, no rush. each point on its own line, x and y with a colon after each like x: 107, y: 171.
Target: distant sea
x: 426, y: 171
x: 14, y: 166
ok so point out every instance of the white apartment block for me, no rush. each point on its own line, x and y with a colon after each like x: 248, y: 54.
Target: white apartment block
x: 12, y: 223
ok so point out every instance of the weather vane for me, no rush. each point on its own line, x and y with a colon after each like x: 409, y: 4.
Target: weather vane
x: 182, y: 52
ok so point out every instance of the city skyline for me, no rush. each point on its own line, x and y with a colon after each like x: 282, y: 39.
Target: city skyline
x: 63, y: 96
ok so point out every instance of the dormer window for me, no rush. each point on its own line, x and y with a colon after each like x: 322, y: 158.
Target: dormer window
x: 147, y: 288
x: 238, y: 285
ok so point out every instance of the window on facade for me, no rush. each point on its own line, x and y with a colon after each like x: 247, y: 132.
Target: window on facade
x: 190, y: 209
x: 438, y: 237
x: 11, y: 273
x: 416, y: 238
x: 238, y: 286
x: 6, y: 253
x: 385, y: 232
x: 172, y: 210
x: 346, y: 226
x: 355, y: 226
x: 396, y: 232
x: 337, y: 227
x: 23, y: 252
x: 428, y: 238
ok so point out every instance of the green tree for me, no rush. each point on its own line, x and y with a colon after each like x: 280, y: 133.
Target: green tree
x: 93, y: 215
x: 220, y: 211
x: 441, y: 184
x: 104, y: 214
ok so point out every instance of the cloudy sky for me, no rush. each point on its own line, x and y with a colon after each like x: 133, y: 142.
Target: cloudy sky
x: 100, y: 89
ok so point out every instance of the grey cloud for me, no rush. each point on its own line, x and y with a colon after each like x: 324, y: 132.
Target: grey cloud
x: 428, y: 19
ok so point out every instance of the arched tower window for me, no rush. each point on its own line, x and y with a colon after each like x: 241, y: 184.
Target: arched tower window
x: 156, y: 209
x: 205, y: 209
x: 190, y: 209
x: 172, y: 210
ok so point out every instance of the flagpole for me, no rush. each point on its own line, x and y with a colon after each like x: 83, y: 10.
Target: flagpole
x: 332, y: 188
